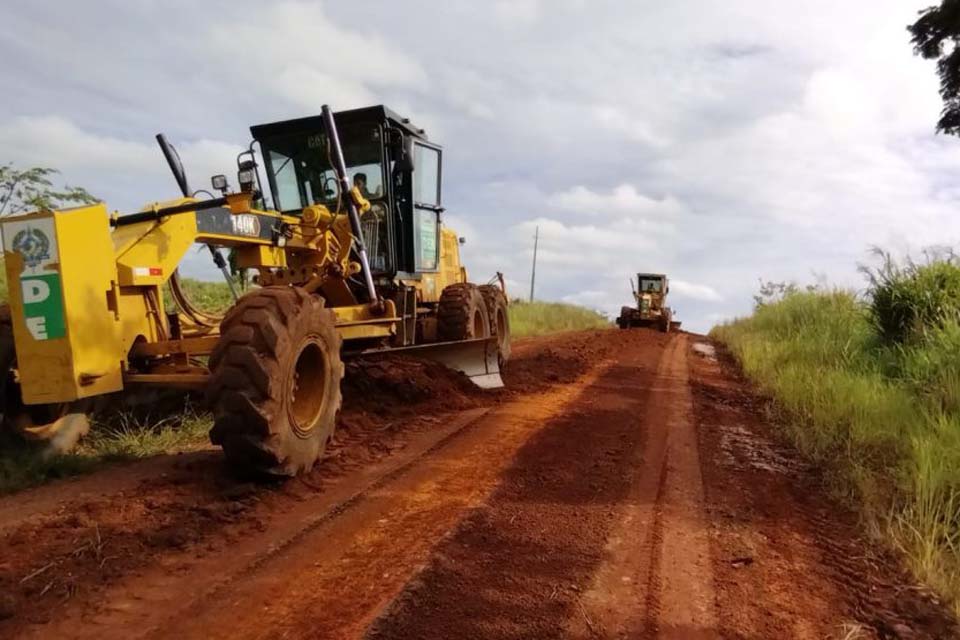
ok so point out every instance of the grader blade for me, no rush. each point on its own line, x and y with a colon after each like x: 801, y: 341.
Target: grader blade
x: 477, y: 359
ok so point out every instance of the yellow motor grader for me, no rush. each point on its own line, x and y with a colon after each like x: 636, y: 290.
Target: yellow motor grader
x: 651, y: 310
x: 350, y: 258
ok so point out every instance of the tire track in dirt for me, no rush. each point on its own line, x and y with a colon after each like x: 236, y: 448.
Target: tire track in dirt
x: 157, y: 596
x: 518, y: 565
x: 647, y: 498
x: 376, y: 545
x: 686, y: 597
x: 789, y: 561
x: 72, y: 546
x: 656, y: 579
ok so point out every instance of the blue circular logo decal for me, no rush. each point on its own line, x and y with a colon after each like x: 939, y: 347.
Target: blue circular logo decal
x: 33, y: 245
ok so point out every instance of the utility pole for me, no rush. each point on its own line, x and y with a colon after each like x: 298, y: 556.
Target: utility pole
x: 533, y: 272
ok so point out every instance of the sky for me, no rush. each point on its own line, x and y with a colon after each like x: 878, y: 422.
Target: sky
x: 719, y: 142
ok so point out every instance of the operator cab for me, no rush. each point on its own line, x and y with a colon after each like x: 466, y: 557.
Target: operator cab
x: 392, y: 163
x: 652, y: 283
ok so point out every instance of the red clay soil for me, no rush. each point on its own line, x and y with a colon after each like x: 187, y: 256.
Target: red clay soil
x: 789, y: 562
x: 516, y: 566
x: 622, y: 486
x: 65, y: 542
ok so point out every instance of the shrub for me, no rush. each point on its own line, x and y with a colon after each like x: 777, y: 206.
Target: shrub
x: 907, y: 301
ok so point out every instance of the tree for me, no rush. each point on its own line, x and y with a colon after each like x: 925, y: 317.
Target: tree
x: 936, y: 36
x: 32, y: 189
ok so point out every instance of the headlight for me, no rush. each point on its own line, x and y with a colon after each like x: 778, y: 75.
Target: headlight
x: 219, y: 183
x: 247, y: 175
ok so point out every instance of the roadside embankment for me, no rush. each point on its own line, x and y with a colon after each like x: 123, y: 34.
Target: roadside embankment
x: 878, y: 410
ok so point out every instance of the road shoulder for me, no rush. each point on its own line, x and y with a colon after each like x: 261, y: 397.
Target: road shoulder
x: 788, y: 560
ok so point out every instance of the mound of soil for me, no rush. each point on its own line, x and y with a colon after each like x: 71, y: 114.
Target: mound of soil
x: 390, y: 383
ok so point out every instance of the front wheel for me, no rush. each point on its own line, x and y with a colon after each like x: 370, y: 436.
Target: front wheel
x: 275, y: 381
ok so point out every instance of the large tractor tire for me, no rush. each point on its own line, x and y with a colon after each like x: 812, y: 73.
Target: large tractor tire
x: 275, y: 381
x: 624, y: 320
x: 496, y: 304
x: 462, y: 313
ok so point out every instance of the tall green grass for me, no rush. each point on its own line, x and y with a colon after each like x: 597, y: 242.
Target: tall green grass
x: 870, y: 387
x: 211, y: 297
x: 123, y: 437
x: 538, y: 318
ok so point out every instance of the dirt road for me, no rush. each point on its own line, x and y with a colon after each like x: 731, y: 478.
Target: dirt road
x: 626, y: 485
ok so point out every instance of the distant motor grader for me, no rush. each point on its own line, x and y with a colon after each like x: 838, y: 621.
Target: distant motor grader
x: 352, y: 258
x: 651, y: 310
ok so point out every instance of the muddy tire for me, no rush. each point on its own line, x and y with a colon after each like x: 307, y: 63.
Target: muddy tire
x: 275, y: 381
x: 462, y: 313
x: 499, y: 317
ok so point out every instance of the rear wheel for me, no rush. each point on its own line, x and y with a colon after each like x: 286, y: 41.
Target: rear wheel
x: 275, y: 381
x: 462, y: 313
x: 499, y: 317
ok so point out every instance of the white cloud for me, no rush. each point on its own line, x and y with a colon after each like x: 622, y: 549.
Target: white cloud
x: 621, y: 200
x: 113, y: 168
x: 295, y: 49
x: 514, y: 12
x: 616, y: 120
x: 695, y: 291
x: 715, y: 142
x: 55, y: 141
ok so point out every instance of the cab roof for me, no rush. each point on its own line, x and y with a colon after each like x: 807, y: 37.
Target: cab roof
x: 378, y: 113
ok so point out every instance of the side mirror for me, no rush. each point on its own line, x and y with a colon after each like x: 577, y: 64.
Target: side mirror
x: 462, y: 240
x: 175, y: 164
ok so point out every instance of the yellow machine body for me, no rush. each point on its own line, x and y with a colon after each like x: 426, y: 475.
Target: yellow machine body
x: 349, y: 259
x: 650, y: 310
x: 64, y: 305
x: 86, y: 299
x: 429, y: 286
x: 88, y: 289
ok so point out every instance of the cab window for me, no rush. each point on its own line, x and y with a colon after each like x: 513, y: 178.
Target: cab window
x: 426, y: 212
x: 300, y: 173
x: 650, y: 284
x: 426, y: 176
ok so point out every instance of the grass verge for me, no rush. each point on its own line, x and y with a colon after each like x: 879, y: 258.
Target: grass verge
x: 882, y: 418
x: 538, y: 318
x: 124, y: 437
